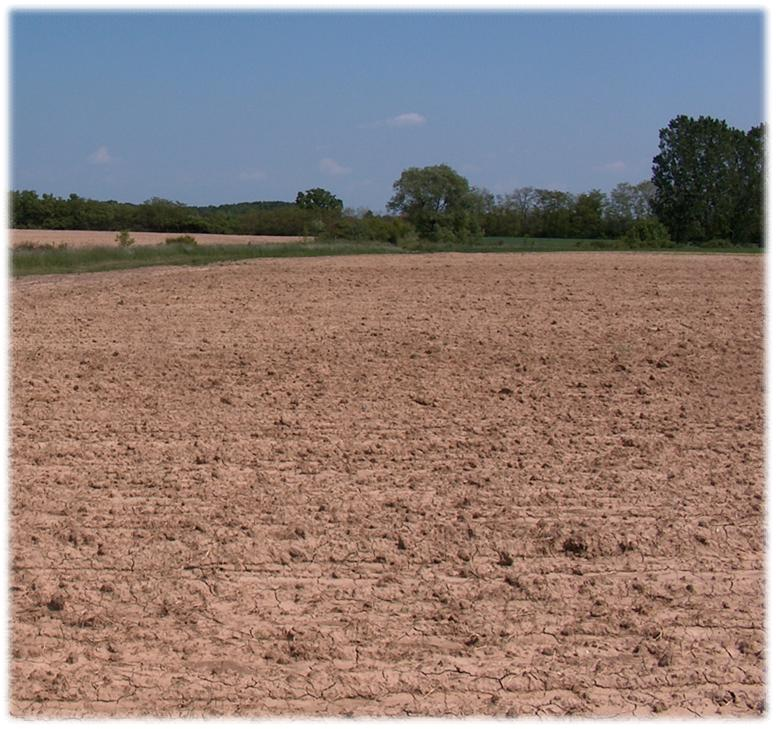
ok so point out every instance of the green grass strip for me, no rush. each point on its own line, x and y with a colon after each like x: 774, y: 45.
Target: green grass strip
x: 42, y: 261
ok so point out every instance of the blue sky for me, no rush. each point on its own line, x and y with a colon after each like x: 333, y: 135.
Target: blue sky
x: 225, y: 107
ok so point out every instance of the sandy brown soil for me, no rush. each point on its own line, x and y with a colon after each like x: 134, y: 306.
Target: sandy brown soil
x: 88, y: 238
x: 449, y: 484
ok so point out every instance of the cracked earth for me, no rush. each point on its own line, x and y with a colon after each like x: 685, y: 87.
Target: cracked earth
x: 430, y: 485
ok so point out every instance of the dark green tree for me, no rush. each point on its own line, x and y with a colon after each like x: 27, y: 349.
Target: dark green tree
x: 706, y: 178
x: 522, y: 203
x: 748, y: 216
x: 646, y: 230
x: 26, y: 209
x: 439, y: 203
x: 551, y: 214
x: 587, y: 214
x: 319, y: 199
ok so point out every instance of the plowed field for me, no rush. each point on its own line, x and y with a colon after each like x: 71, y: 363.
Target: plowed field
x: 447, y: 484
x: 89, y: 238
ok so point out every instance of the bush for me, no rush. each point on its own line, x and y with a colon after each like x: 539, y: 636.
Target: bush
x: 314, y: 228
x: 647, y: 231
x: 182, y: 240
x: 124, y: 239
x: 384, y: 229
x: 410, y: 241
x: 396, y: 231
x: 28, y: 245
x: 714, y: 243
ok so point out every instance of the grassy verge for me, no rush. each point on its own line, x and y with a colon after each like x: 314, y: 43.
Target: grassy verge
x: 40, y: 261
x: 495, y: 243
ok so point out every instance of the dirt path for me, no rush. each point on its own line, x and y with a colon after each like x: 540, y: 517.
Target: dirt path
x: 448, y: 484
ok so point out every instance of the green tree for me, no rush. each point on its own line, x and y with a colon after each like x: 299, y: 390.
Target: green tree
x: 439, y: 203
x: 485, y: 200
x: 26, y: 209
x: 552, y: 213
x: 163, y: 215
x: 748, y: 217
x: 319, y: 199
x: 521, y: 202
x: 707, y: 179
x: 587, y: 214
x: 626, y: 204
x: 646, y: 230
x: 643, y: 199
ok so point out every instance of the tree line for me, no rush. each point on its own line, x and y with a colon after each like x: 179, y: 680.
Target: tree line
x: 48, y: 212
x: 527, y: 211
x: 536, y: 212
x: 707, y: 184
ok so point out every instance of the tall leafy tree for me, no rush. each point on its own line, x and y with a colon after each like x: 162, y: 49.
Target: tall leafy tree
x: 587, y: 214
x: 698, y: 175
x: 627, y: 204
x: 748, y: 217
x: 508, y: 214
x: 439, y: 202
x: 552, y: 213
x: 643, y: 199
x: 520, y: 204
x: 323, y: 211
x: 319, y: 199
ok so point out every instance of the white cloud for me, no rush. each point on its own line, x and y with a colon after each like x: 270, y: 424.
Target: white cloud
x: 332, y: 167
x: 617, y: 166
x: 100, y: 156
x: 253, y: 175
x: 410, y: 119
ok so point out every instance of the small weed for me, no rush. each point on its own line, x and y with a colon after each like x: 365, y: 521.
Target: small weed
x: 124, y: 239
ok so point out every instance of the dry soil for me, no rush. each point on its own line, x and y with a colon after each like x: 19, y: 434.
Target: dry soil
x: 450, y: 484
x: 89, y: 238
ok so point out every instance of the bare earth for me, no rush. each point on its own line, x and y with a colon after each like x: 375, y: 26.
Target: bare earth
x: 89, y: 238
x: 448, y: 484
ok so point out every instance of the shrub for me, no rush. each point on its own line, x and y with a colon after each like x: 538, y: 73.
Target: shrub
x: 395, y: 231
x: 410, y: 241
x: 387, y: 229
x: 714, y: 243
x: 647, y: 230
x: 124, y: 239
x: 181, y: 240
x: 28, y: 245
